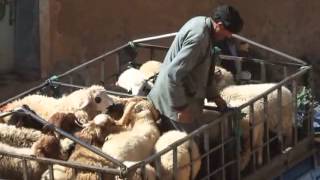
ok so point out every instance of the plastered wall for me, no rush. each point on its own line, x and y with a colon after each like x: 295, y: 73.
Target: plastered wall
x: 74, y: 31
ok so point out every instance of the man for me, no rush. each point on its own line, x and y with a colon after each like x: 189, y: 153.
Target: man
x: 185, y: 78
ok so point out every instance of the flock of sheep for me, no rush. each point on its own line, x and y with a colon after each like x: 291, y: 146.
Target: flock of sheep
x: 125, y: 128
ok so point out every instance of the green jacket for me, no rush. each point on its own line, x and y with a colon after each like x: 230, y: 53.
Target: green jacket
x: 183, y: 77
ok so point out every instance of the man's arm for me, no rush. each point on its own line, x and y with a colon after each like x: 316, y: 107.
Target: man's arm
x: 187, y: 58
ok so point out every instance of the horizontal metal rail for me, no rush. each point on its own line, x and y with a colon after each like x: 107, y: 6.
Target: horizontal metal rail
x: 144, y: 45
x: 71, y: 164
x: 281, y: 83
x: 271, y: 62
x: 182, y: 140
x: 36, y: 88
x: 63, y: 133
x: 154, y: 38
x: 291, y: 58
x: 81, y: 87
x: 93, y: 60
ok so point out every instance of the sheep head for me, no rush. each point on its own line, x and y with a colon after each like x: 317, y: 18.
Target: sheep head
x: 93, y: 100
x: 134, y: 81
x: 64, y: 121
x: 47, y: 146
x: 222, y: 78
x: 96, y: 130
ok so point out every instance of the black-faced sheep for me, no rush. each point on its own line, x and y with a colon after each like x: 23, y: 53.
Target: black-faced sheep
x: 183, y: 156
x: 47, y: 146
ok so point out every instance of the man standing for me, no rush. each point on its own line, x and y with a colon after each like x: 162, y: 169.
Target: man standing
x: 185, y: 78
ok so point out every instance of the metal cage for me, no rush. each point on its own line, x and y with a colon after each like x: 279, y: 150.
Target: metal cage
x: 220, y: 158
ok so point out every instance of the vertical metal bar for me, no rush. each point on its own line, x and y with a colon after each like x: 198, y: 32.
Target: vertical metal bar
x: 311, y: 105
x: 206, y: 150
x: 174, y: 163
x: 238, y: 66
x: 51, y: 174
x: 285, y: 71
x: 266, y: 125
x: 25, y: 169
x: 252, y: 132
x: 158, y: 168
x: 100, y: 175
x: 279, y: 104
x: 263, y: 72
x: 191, y: 158
x: 294, y: 115
x: 102, y: 71
x: 222, y: 123
x: 236, y: 120
x: 70, y: 79
x: 152, y: 53
x: 143, y: 172
x: 118, y: 65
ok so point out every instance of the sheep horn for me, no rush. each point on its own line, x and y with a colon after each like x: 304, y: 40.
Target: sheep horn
x: 78, y: 123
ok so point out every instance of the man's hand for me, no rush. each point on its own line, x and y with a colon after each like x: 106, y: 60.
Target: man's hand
x: 185, y: 116
x: 221, y: 103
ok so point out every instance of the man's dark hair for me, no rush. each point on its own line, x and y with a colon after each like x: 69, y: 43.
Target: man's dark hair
x: 230, y: 18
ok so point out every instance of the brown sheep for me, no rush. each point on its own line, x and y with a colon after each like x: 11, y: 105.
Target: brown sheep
x: 47, y: 146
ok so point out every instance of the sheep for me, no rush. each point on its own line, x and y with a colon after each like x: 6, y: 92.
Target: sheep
x: 183, y: 156
x: 137, y: 143
x: 236, y: 95
x: 84, y: 103
x: 58, y: 173
x: 47, y: 146
x: 21, y: 119
x: 67, y: 122
x: 135, y: 82
x: 18, y: 137
x: 93, y: 133
x: 150, y: 68
x: 137, y: 174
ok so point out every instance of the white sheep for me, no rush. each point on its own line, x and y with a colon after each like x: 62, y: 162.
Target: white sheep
x: 150, y: 68
x: 94, y: 134
x: 84, y: 103
x: 137, y: 143
x: 18, y: 137
x: 134, y: 81
x: 59, y: 173
x: 12, y: 168
x: 236, y: 95
x: 183, y: 156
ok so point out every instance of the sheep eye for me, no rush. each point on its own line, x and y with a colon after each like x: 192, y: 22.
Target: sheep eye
x: 97, y: 99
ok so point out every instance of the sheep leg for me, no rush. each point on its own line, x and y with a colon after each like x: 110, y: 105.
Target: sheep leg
x: 258, y: 143
x: 246, y: 150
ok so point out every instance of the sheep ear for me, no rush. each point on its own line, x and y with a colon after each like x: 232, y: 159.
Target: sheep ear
x: 84, y: 103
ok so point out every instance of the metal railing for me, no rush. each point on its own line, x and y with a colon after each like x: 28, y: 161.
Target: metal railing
x: 226, y: 164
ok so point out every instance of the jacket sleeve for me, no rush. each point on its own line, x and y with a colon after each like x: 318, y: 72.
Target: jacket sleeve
x: 188, y: 57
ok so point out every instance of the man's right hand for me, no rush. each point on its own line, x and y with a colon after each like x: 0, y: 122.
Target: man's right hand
x: 185, y: 116
x: 221, y: 103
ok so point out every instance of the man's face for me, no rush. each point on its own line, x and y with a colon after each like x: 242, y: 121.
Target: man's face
x: 221, y: 32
